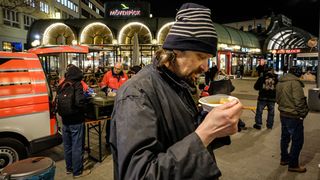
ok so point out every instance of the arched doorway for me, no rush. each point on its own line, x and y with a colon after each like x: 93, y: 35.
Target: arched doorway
x: 163, y: 32
x: 283, y: 45
x: 96, y: 34
x: 99, y: 38
x: 127, y: 39
x: 58, y: 34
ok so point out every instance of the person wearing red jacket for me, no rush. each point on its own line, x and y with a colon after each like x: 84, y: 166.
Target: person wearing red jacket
x: 114, y: 78
x: 84, y: 85
x: 111, y: 82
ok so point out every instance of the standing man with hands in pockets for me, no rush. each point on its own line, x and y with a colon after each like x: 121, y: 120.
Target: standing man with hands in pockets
x: 154, y: 131
x: 293, y: 110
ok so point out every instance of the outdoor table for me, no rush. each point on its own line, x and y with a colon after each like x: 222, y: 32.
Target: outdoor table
x: 96, y: 122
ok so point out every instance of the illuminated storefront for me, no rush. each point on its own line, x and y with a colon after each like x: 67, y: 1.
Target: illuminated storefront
x: 131, y: 42
x: 131, y: 36
x: 291, y: 46
x: 236, y: 47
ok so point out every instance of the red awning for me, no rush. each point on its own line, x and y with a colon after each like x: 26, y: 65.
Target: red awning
x: 60, y: 49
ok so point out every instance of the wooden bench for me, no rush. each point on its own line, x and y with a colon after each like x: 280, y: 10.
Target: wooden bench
x: 95, y: 124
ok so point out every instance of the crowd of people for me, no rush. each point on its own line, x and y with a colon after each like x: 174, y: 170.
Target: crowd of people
x: 156, y: 131
x: 70, y: 105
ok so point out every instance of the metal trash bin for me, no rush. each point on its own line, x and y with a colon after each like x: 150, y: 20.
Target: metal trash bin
x: 35, y: 168
x: 313, y: 99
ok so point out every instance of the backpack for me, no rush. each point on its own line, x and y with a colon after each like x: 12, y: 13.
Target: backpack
x: 65, y: 99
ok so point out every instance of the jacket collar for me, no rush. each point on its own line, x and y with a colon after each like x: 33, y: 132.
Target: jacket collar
x: 183, y: 89
x: 291, y: 77
x: 175, y: 81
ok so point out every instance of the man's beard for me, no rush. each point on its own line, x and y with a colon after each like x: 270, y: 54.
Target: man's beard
x: 192, y: 78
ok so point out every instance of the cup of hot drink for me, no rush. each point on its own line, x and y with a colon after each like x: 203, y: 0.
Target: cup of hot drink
x: 210, y: 102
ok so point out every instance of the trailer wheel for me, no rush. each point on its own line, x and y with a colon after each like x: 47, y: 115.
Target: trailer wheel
x: 11, y: 150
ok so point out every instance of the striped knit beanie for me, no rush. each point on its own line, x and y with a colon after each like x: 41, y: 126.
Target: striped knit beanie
x: 192, y: 30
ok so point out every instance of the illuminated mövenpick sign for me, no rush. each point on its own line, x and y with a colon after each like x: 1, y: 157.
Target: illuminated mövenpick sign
x: 125, y: 12
x: 127, y: 9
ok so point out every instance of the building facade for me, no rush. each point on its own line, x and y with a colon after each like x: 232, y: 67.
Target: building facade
x: 15, y: 20
x: 254, y: 25
x: 282, y: 44
x: 122, y: 39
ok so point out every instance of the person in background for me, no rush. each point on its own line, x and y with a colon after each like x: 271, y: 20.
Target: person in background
x: 308, y: 76
x: 88, y: 69
x: 134, y: 70
x: 266, y: 85
x: 84, y: 85
x: 261, y: 69
x: 214, y: 70
x: 241, y: 70
x: 99, y: 72
x: 114, y: 78
x: 221, y: 75
x: 293, y: 110
x: 73, y: 130
x: 285, y: 69
x: 111, y: 82
x: 209, y: 75
x: 154, y: 133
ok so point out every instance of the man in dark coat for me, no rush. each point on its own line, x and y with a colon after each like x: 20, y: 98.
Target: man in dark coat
x: 73, y: 129
x: 209, y: 75
x: 262, y: 68
x: 285, y: 69
x: 154, y: 131
x: 266, y: 85
x: 241, y: 70
x: 293, y: 110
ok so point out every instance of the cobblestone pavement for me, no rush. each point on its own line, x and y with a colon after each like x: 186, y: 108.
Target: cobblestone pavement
x: 252, y: 155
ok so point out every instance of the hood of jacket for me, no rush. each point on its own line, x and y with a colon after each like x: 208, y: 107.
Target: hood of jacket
x: 74, y: 74
x: 290, y: 77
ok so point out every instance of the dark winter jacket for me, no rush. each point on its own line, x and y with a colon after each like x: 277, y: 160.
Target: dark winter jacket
x: 223, y: 86
x: 152, y: 132
x: 74, y: 75
x: 290, y: 97
x: 209, y: 75
x: 266, y: 85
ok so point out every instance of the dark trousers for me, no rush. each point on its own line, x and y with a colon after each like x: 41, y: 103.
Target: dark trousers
x: 73, y: 143
x: 291, y: 130
x: 260, y: 106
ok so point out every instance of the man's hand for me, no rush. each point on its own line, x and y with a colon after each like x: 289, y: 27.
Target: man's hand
x: 221, y: 121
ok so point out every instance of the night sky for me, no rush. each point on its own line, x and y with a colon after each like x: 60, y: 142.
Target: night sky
x: 303, y: 13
